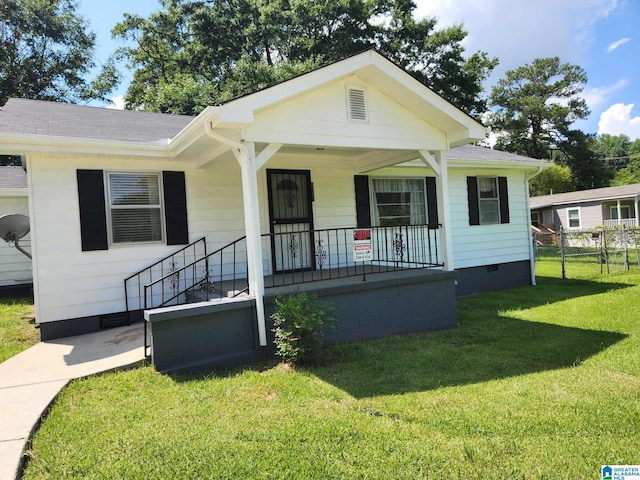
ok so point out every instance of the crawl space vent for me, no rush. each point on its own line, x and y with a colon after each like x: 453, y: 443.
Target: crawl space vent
x: 357, y: 104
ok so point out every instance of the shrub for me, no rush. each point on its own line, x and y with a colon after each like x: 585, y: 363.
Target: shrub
x: 299, y: 324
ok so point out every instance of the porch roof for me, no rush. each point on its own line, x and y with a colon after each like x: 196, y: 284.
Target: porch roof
x: 29, y: 125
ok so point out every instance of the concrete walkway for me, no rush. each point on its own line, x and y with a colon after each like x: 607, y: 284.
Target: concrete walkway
x: 31, y: 380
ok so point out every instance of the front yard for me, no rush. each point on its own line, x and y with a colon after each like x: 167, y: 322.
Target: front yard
x: 536, y: 383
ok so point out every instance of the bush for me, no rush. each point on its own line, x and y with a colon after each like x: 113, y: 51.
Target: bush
x: 299, y: 324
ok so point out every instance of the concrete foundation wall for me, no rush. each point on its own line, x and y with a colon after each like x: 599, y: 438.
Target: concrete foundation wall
x: 218, y: 335
x: 493, y: 277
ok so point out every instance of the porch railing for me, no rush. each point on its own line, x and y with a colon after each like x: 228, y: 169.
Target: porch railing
x: 629, y: 222
x: 134, y: 285
x: 298, y: 256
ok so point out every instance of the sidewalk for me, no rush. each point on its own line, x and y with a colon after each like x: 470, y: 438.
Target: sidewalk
x: 30, y: 381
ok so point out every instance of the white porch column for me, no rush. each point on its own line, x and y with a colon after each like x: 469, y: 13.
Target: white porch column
x: 247, y: 159
x: 636, y: 204
x: 444, y: 213
x: 619, y: 212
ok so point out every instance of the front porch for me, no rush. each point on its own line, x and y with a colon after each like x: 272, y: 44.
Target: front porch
x: 223, y: 332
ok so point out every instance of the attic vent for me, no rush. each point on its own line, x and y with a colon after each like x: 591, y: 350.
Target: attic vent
x: 357, y: 104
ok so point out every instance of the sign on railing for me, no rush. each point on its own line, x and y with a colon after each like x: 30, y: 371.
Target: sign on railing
x: 362, y: 246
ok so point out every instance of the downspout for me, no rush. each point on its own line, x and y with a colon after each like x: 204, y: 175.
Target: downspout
x: 250, y: 198
x: 532, y: 259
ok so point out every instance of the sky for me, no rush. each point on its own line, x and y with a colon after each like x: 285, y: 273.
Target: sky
x: 601, y: 36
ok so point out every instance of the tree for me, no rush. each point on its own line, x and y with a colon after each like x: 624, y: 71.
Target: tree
x: 46, y: 51
x: 219, y: 50
x: 557, y: 179
x: 536, y: 105
x: 628, y: 175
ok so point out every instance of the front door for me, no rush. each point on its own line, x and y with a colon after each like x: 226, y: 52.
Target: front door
x: 291, y: 218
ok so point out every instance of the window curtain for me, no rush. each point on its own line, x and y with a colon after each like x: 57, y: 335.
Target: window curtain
x: 414, y: 188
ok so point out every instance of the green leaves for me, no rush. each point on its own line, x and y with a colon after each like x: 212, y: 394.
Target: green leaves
x: 299, y: 324
x: 46, y: 51
x: 235, y: 47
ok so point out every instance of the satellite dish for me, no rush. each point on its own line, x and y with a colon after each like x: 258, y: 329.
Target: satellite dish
x: 13, y: 227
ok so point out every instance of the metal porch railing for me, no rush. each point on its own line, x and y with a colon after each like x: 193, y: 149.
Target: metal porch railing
x: 298, y: 256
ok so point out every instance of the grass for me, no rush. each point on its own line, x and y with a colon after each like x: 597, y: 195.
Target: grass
x: 535, y: 383
x: 17, y: 328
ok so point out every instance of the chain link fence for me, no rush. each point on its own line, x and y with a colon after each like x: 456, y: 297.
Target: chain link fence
x: 608, y: 249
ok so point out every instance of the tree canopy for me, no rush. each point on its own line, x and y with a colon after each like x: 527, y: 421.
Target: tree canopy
x: 557, y: 179
x: 194, y: 53
x: 535, y: 107
x: 46, y: 51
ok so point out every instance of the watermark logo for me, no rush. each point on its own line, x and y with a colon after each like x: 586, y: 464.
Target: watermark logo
x: 620, y: 472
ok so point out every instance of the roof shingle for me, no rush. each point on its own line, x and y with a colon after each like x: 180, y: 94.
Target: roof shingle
x: 35, y: 117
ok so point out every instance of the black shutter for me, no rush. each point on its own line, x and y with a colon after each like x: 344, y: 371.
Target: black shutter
x: 432, y: 202
x: 472, y: 198
x: 175, y: 208
x: 504, y: 199
x: 93, y: 215
x: 363, y: 210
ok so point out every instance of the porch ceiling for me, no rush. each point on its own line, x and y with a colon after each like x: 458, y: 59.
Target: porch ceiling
x: 203, y: 152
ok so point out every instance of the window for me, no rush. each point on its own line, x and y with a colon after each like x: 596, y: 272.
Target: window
x: 398, y: 201
x: 625, y: 211
x: 488, y: 200
x: 134, y: 207
x: 535, y: 219
x: 573, y: 216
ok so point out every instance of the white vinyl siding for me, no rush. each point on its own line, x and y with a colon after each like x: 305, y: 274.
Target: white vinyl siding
x: 318, y: 118
x: 480, y: 245
x: 15, y: 267
x: 134, y: 207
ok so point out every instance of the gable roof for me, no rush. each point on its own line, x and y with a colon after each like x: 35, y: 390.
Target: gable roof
x: 13, y: 177
x: 28, y: 124
x: 593, y: 195
x: 36, y: 117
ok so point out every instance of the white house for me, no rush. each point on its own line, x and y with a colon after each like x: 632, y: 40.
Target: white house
x: 15, y: 268
x: 294, y: 168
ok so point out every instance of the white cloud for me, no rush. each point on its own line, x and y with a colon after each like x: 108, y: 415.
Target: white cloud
x: 517, y: 32
x: 117, y: 103
x: 617, y: 120
x: 614, y: 45
x: 597, y: 96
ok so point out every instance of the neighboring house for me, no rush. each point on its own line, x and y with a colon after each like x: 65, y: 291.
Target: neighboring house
x: 609, y: 207
x: 15, y: 268
x: 294, y: 168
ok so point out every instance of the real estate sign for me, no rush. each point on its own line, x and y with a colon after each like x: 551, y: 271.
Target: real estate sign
x: 362, y: 246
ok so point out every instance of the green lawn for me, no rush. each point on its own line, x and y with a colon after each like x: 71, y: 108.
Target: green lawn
x: 17, y: 329
x: 536, y: 383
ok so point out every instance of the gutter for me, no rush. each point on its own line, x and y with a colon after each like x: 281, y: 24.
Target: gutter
x: 532, y: 259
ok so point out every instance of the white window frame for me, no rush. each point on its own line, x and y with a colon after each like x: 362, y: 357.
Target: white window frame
x: 577, y: 209
x: 496, y: 199
x: 110, y: 207
x: 613, y: 212
x: 374, y: 204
